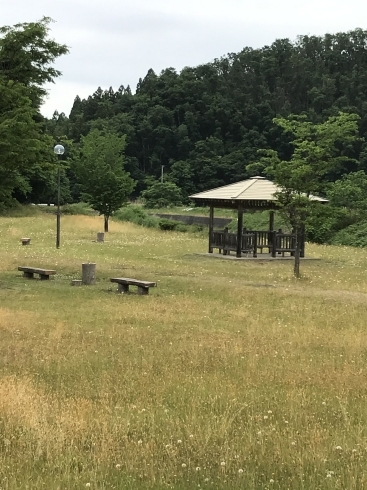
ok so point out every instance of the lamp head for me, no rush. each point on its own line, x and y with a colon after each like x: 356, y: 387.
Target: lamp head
x: 59, y: 150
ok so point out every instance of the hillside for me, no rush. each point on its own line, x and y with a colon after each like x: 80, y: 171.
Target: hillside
x: 206, y: 123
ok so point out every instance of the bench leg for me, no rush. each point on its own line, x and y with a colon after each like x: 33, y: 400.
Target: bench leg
x: 142, y: 290
x: 30, y: 275
x: 44, y: 277
x: 123, y: 288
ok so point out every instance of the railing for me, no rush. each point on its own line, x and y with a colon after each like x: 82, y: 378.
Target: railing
x: 253, y: 241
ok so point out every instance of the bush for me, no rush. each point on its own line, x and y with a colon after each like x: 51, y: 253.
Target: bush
x: 181, y: 227
x: 171, y: 225
x: 353, y: 236
x: 325, y: 222
x: 78, y: 208
x: 167, y: 224
x: 19, y: 210
x: 137, y: 215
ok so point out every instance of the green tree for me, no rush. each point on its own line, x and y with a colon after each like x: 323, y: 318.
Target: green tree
x: 27, y: 54
x: 105, y: 184
x: 317, y: 150
x: 349, y: 192
x: 181, y: 174
x: 162, y: 195
x: 24, y: 149
x: 44, y: 184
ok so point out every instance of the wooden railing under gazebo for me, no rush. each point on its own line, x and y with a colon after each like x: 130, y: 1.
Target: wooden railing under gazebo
x: 253, y: 242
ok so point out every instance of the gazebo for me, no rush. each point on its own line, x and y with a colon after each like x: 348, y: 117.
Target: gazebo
x: 256, y: 193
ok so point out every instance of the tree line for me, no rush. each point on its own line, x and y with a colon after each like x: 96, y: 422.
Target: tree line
x: 204, y: 126
x: 207, y: 123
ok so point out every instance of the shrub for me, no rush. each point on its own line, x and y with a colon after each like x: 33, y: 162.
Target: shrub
x: 78, y: 208
x: 19, y: 210
x: 166, y: 224
x: 137, y: 215
x: 353, y: 236
x: 171, y: 225
x: 325, y: 222
x: 184, y: 228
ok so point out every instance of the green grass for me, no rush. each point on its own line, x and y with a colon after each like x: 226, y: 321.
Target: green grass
x: 229, y: 375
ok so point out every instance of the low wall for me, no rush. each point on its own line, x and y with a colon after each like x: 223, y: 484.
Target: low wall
x: 195, y: 220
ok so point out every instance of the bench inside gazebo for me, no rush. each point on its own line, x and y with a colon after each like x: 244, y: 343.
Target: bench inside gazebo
x: 256, y: 193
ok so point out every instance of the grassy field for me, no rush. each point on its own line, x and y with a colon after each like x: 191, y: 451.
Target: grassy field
x: 229, y: 375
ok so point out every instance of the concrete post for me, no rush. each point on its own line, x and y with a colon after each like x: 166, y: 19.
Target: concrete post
x: 89, y: 273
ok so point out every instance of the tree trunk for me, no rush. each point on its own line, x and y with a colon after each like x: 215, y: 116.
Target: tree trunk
x: 106, y: 223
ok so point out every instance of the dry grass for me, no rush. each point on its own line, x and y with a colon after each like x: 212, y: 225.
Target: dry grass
x: 228, y: 375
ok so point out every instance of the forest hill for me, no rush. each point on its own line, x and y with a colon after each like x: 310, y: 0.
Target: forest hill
x: 205, y: 125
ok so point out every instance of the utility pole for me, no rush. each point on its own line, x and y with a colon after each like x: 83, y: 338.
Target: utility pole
x: 162, y: 174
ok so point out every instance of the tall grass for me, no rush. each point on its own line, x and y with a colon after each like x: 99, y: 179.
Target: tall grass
x: 228, y: 375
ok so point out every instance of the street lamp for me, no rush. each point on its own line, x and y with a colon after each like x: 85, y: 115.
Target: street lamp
x: 59, y: 150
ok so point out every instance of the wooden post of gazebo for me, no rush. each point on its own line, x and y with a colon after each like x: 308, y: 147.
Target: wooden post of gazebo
x: 271, y: 220
x: 271, y: 229
x: 211, y: 228
x: 239, y: 230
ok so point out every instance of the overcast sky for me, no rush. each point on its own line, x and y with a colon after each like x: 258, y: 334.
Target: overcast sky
x: 115, y: 42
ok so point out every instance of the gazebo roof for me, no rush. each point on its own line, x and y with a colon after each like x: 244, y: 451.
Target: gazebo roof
x: 256, y: 192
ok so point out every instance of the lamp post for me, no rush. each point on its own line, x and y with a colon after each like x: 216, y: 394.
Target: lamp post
x: 59, y: 150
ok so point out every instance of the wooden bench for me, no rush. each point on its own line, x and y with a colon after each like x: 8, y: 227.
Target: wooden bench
x: 123, y: 284
x: 30, y: 271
